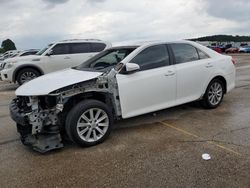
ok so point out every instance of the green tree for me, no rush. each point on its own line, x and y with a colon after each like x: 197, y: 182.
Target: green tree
x: 224, y: 38
x: 1, y: 50
x: 8, y: 45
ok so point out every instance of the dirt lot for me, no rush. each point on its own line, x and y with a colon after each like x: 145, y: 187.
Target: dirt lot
x: 162, y: 149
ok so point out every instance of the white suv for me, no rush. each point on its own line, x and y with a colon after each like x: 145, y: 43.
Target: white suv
x: 57, y: 56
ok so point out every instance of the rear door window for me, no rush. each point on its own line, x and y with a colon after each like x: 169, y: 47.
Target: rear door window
x: 77, y: 48
x: 184, y: 53
x: 97, y: 47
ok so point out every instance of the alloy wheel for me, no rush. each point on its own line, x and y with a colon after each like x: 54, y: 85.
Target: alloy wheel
x: 215, y: 93
x: 92, y: 125
x: 27, y: 76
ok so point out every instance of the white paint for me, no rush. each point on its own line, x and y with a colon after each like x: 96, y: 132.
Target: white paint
x: 20, y: 58
x: 45, y: 84
x: 147, y: 91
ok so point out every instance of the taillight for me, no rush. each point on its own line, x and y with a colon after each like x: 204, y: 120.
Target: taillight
x: 234, y: 61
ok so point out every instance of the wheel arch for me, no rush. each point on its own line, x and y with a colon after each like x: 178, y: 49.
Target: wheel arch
x: 15, y: 73
x: 221, y: 78
x: 104, y: 97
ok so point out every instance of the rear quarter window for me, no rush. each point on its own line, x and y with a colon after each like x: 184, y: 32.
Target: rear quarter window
x: 202, y: 55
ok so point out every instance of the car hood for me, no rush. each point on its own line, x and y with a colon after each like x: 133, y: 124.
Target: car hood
x: 23, y: 58
x: 50, y: 82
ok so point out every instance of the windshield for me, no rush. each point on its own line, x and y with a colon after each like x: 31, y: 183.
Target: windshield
x: 43, y: 50
x: 15, y: 55
x: 106, y: 60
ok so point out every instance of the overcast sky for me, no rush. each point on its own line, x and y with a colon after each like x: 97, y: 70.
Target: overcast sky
x: 35, y: 23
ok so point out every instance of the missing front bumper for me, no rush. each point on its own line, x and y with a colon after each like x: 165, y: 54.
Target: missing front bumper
x: 47, y: 139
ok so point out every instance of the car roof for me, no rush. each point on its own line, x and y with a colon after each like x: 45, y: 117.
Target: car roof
x: 124, y: 47
x: 153, y: 42
x: 144, y: 45
x: 82, y: 40
x: 30, y: 50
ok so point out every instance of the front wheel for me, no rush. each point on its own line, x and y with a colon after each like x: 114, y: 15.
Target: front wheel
x: 214, y: 94
x: 26, y: 75
x: 89, y: 123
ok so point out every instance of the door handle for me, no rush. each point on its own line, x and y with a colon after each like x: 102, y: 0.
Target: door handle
x: 66, y: 57
x: 170, y: 73
x: 209, y: 65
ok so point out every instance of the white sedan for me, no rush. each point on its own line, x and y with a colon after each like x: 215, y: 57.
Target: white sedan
x: 120, y: 82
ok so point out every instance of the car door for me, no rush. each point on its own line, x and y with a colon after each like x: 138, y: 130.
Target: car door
x: 59, y: 58
x: 152, y: 88
x: 193, y: 69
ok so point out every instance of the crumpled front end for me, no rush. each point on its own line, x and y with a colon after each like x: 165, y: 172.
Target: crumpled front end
x: 37, y: 121
x: 40, y: 118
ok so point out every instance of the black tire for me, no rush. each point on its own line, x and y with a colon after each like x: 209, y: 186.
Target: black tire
x: 73, y: 118
x: 26, y: 71
x: 206, y: 101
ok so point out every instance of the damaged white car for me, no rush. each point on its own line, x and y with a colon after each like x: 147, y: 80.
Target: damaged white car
x: 122, y: 82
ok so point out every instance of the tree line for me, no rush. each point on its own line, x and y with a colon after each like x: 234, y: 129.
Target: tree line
x: 223, y: 38
x: 7, y: 45
x: 10, y: 45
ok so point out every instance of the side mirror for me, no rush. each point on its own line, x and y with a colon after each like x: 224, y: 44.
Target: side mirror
x: 132, y: 67
x: 50, y: 53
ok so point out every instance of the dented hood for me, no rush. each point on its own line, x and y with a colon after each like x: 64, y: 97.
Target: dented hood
x: 50, y: 82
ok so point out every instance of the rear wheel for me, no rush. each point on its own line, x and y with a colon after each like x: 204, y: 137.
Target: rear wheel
x: 214, y: 94
x: 89, y: 123
x: 26, y: 75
